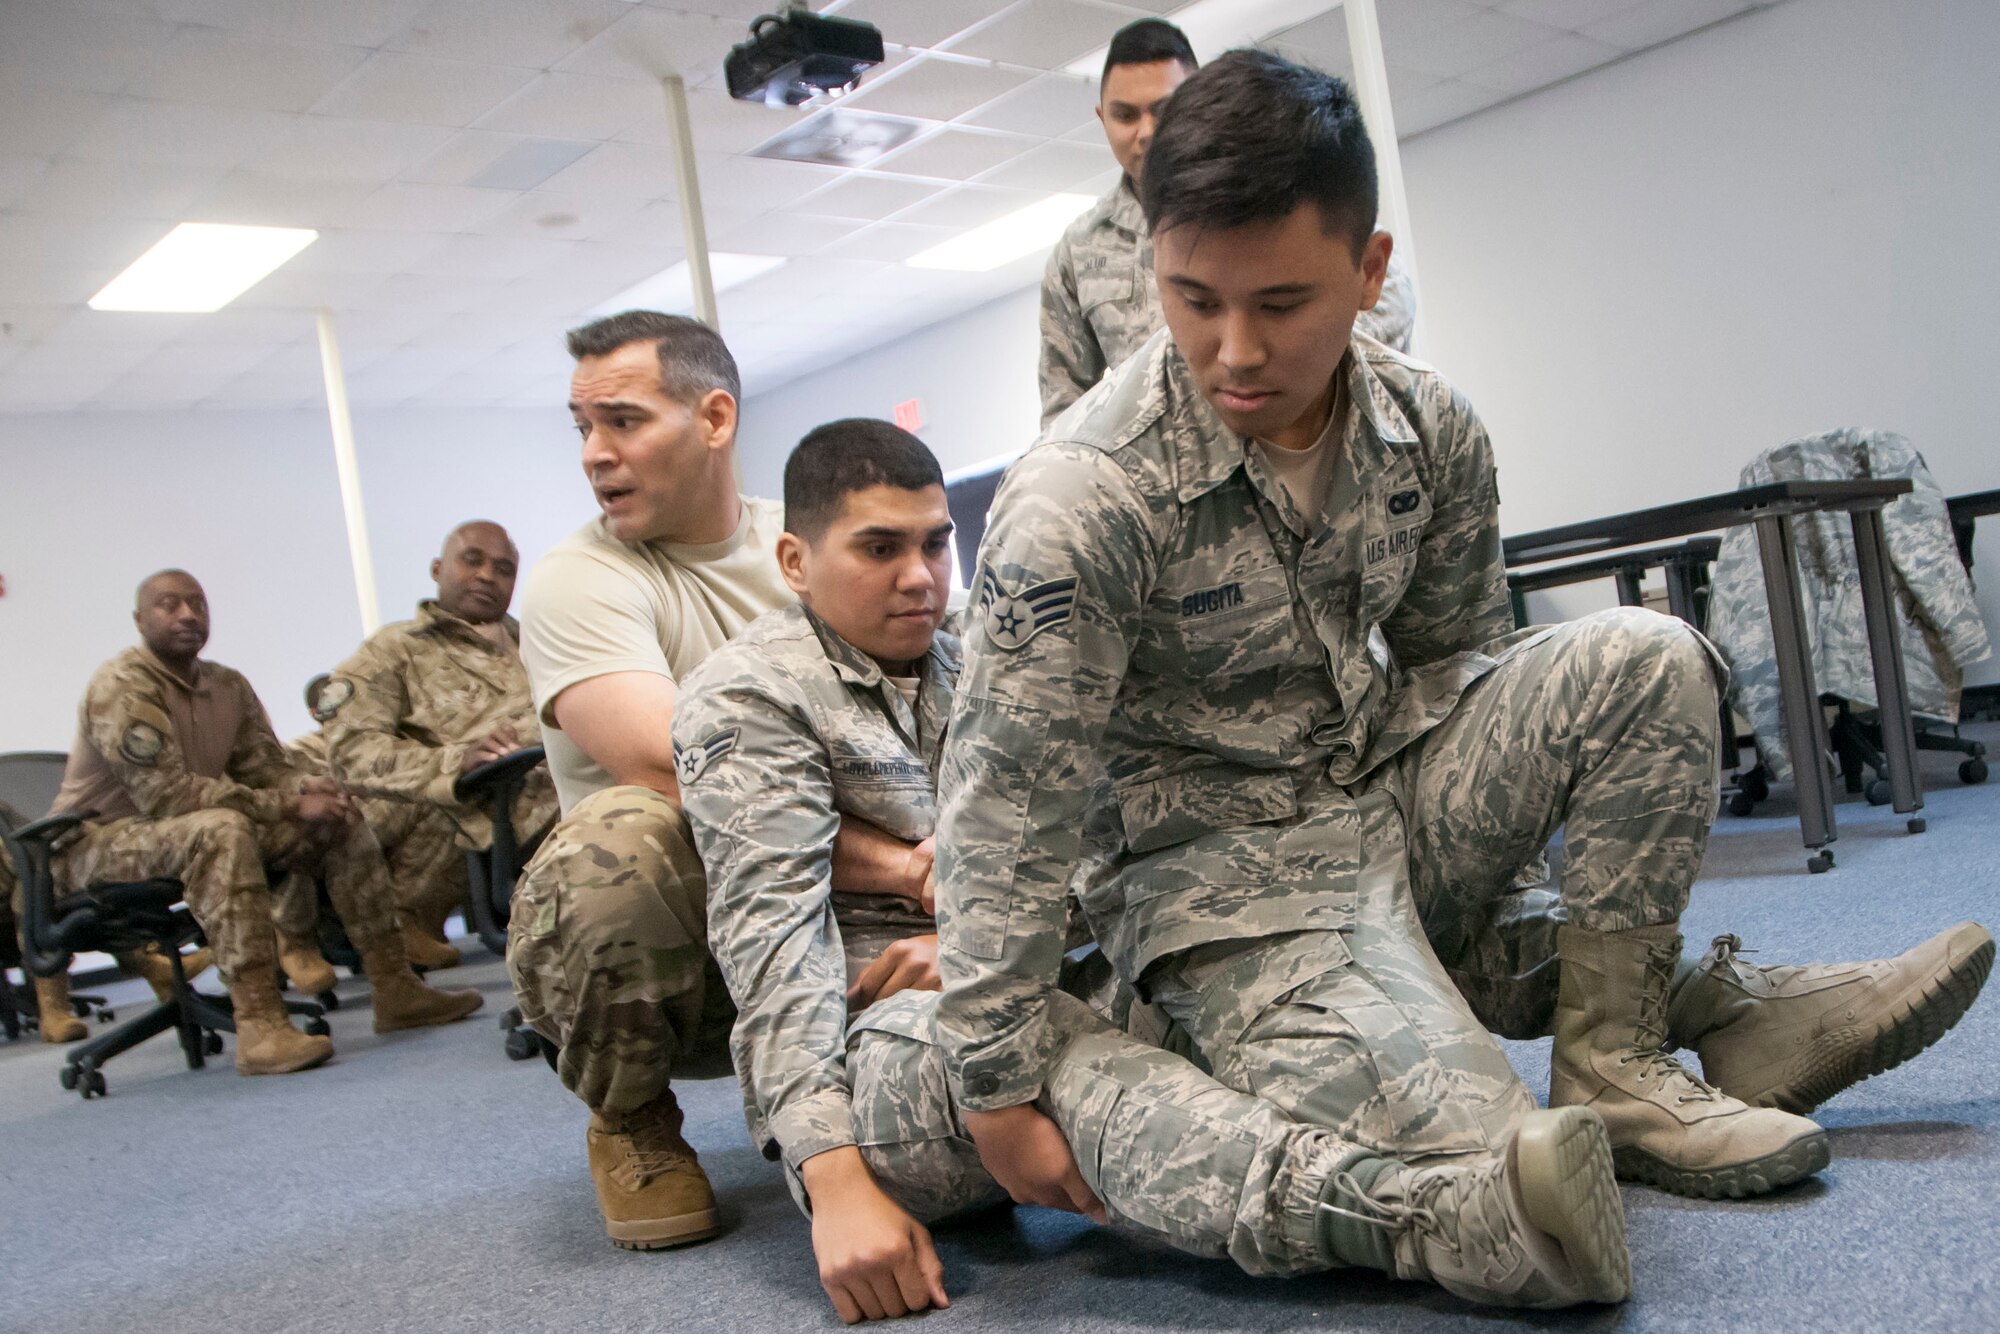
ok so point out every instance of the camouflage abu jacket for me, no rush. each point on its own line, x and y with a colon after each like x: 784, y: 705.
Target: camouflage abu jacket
x: 1937, y: 618
x: 1100, y: 302
x: 1152, y: 608
x: 778, y: 736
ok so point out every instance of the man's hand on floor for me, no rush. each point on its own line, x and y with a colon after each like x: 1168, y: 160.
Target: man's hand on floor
x: 875, y: 1261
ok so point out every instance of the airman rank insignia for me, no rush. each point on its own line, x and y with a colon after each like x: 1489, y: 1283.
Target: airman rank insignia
x: 331, y: 696
x: 691, y: 762
x: 142, y: 744
x: 1012, y: 619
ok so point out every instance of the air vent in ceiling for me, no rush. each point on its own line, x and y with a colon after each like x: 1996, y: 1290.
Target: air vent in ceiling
x: 840, y: 137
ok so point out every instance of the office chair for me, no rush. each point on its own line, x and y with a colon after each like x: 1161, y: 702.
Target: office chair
x: 117, y: 917
x: 29, y: 781
x: 491, y: 873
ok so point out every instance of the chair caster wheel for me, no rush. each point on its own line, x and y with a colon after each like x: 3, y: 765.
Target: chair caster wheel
x: 1755, y: 784
x: 326, y: 1000
x: 93, y: 1085
x: 1972, y: 770
x: 106, y: 1017
x: 521, y: 1045
x: 1879, y: 792
x: 1918, y: 824
x: 1819, y: 861
x: 316, y: 1028
x: 1741, y: 803
x: 212, y: 1043
x: 67, y: 1077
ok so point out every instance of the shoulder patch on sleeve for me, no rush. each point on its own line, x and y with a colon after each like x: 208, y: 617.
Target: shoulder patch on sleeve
x: 1012, y: 618
x: 331, y: 696
x: 691, y: 762
x: 141, y: 744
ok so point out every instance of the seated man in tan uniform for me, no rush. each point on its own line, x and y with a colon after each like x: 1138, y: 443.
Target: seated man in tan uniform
x: 608, y: 939
x: 424, y: 701
x: 176, y: 759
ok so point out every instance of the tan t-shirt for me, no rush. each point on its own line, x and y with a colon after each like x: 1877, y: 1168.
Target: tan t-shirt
x: 595, y: 605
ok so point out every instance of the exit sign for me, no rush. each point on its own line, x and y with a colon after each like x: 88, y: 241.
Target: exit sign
x: 910, y: 414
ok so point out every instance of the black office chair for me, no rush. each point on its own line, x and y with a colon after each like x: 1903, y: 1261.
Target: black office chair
x: 490, y: 874
x: 115, y: 918
x: 29, y: 781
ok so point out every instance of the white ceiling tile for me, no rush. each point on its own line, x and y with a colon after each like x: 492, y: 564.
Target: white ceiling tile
x: 237, y: 326
x: 967, y: 206
x: 78, y: 45
x: 400, y: 207
x: 615, y: 171
x: 217, y: 362
x: 1320, y: 41
x: 419, y: 91
x: 1051, y: 105
x: 74, y: 188
x: 135, y: 131
x: 934, y: 88
x: 531, y: 33
x: 26, y: 324
x: 464, y: 156
x: 1663, y: 20
x: 493, y: 259
x: 269, y: 201
x: 867, y: 197
x: 1571, y: 14
x: 40, y: 121
x: 1479, y: 39
x: 1539, y: 66
x: 47, y: 393
x: 341, y: 23
x: 575, y: 106
x: 721, y: 124
x: 556, y: 215
x: 1060, y: 165
x: 320, y: 148
x: 108, y: 243
x: 299, y: 292
x: 84, y: 327
x: 920, y: 22
x: 956, y: 155
x: 888, y: 242
x: 46, y: 285
x: 782, y: 233
x: 754, y: 183
x: 218, y: 68
x: 1441, y: 102
x: 1407, y: 20
x: 144, y: 391
x: 652, y: 43
x: 22, y: 177
x: 1042, y: 34
x: 55, y: 359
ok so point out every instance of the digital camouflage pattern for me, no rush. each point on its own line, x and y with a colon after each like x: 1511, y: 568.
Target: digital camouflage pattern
x: 785, y: 733
x: 607, y: 946
x: 1938, y: 620
x: 403, y: 710
x: 781, y: 735
x: 1240, y: 673
x: 1100, y: 302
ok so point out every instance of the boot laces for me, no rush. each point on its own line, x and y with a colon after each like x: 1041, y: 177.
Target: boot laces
x: 655, y: 1149
x: 1650, y: 1052
x: 1466, y: 1206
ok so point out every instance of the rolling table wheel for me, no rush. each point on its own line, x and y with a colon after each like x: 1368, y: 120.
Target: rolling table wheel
x: 212, y: 1043
x: 1917, y: 824
x: 1741, y: 803
x: 316, y: 1028
x: 1820, y: 861
x: 1972, y: 770
x: 1879, y: 792
x: 521, y: 1045
x: 93, y: 1084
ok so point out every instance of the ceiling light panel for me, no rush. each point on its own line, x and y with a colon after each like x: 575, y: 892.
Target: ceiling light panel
x: 200, y: 267
x: 1005, y: 239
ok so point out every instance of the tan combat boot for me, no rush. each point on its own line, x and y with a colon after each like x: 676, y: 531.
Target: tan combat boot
x: 310, y: 973
x: 427, y: 951
x: 266, y: 1042
x: 1667, y: 1127
x: 153, y: 965
x: 58, y: 1022
x: 1792, y: 1037
x: 401, y: 998
x: 1537, y: 1224
x: 650, y: 1186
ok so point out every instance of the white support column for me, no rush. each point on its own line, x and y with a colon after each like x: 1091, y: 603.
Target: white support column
x: 1371, y: 89
x: 694, y: 227
x: 350, y: 474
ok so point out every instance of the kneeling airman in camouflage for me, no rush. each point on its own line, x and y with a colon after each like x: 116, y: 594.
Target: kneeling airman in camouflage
x: 176, y: 759
x: 1254, y: 580
x: 835, y: 710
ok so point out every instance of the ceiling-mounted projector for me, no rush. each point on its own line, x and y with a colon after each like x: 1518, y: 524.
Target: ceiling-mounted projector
x: 796, y: 56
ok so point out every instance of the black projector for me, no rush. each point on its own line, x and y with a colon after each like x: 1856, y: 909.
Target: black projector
x: 793, y: 57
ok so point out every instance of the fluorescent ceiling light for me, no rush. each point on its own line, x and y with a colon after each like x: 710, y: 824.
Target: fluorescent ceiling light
x: 672, y: 290
x: 1215, y: 26
x: 1022, y: 232
x: 200, y: 267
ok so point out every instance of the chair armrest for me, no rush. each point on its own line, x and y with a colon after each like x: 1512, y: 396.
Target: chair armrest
x: 51, y: 827
x: 31, y: 847
x: 490, y: 776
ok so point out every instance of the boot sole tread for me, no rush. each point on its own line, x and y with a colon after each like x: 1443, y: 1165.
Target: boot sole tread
x: 1580, y: 1207
x: 1839, y: 1060
x: 659, y: 1234
x: 1802, y: 1158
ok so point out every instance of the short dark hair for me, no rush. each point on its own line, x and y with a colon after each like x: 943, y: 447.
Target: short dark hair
x: 851, y: 455
x: 1249, y: 138
x: 693, y: 357
x: 1147, y: 42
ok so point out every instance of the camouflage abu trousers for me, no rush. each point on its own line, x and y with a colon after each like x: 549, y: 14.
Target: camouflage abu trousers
x: 607, y: 944
x: 1169, y: 1150
x: 1604, y: 727
x: 422, y: 858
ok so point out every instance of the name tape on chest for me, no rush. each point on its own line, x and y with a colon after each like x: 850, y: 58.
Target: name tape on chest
x: 883, y: 771
x: 1212, y: 600
x: 1013, y: 618
x: 691, y: 762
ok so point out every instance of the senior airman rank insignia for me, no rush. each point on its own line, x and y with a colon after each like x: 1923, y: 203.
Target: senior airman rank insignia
x: 691, y: 762
x: 1012, y: 619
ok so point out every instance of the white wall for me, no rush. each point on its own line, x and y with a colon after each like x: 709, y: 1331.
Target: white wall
x: 248, y: 503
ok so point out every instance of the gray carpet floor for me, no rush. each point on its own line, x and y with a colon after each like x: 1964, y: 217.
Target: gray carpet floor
x: 424, y: 1182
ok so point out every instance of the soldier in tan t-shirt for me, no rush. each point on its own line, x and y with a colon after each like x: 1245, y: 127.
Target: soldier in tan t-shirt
x: 607, y: 941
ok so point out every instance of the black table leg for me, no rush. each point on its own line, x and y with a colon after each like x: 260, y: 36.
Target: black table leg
x: 1804, y: 727
x: 1892, y: 690
x: 1628, y: 588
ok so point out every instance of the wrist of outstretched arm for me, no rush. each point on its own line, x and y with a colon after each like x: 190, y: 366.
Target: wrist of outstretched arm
x: 811, y: 1126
